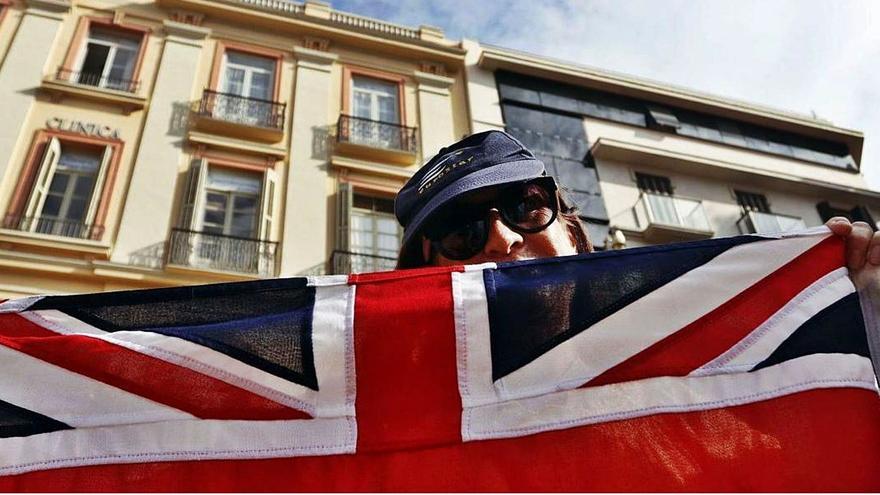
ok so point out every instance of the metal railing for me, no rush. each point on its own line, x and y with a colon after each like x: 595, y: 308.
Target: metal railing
x: 376, y: 134
x: 242, y: 110
x: 343, y: 262
x: 758, y: 222
x: 674, y: 211
x: 222, y: 252
x: 367, y: 24
x: 277, y: 5
x: 97, y: 80
x: 351, y: 21
x: 54, y: 226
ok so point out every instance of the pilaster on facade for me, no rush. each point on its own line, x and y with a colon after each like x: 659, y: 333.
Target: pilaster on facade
x: 23, y: 69
x: 305, y: 225
x: 147, y: 216
x: 483, y: 100
x: 435, y: 112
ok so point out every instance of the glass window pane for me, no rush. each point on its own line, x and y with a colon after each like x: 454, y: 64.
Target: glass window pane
x: 59, y: 183
x: 234, y: 81
x: 225, y: 179
x: 84, y: 185
x: 51, y: 206
x: 260, y: 86
x: 361, y: 105
x: 386, y: 226
x: 76, y: 209
x: 82, y: 161
x: 121, y: 68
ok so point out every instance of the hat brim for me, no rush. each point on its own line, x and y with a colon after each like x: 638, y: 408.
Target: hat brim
x: 497, y: 175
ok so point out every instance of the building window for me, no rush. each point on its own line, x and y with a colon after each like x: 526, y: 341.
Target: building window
x: 858, y: 213
x: 245, y: 87
x: 65, y: 188
x: 226, y: 219
x: 663, y: 207
x: 374, y: 228
x: 752, y: 201
x: 654, y: 183
x: 758, y: 219
x: 108, y: 56
x: 375, y: 100
x: 368, y: 238
x: 373, y: 111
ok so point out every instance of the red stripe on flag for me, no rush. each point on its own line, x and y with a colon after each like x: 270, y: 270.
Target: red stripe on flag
x: 140, y: 374
x: 717, y: 331
x: 407, y: 382
x: 825, y: 440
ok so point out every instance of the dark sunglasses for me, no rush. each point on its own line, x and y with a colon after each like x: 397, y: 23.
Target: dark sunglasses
x: 462, y: 230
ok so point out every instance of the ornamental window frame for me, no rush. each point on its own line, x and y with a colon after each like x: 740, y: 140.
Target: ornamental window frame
x: 218, y: 65
x: 349, y: 72
x: 39, y: 169
x: 77, y: 49
x: 192, y: 210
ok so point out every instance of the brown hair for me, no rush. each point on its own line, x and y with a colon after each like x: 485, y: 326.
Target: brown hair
x: 412, y: 256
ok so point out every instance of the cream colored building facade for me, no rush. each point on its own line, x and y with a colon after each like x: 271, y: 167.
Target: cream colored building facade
x: 658, y: 163
x: 148, y: 143
x: 152, y: 143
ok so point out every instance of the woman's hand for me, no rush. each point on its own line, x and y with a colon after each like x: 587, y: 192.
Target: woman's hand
x: 862, y: 252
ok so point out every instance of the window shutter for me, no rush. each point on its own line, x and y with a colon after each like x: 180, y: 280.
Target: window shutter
x: 343, y: 216
x: 341, y: 263
x: 42, y: 181
x: 267, y: 205
x: 95, y: 201
x: 194, y: 195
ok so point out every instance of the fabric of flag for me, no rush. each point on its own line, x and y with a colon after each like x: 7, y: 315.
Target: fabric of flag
x: 731, y: 364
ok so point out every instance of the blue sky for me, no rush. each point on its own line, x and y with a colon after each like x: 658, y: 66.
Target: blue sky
x: 800, y: 55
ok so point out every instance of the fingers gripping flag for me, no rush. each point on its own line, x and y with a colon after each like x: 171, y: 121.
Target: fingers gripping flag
x: 731, y: 364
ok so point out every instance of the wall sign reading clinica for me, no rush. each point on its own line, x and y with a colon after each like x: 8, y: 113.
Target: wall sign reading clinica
x: 78, y: 127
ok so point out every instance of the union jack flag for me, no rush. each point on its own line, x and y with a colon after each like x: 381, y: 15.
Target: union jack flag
x: 733, y: 364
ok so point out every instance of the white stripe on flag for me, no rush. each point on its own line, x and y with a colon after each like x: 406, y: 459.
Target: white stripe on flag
x: 571, y: 408
x: 630, y: 330
x: 332, y: 343
x: 761, y: 342
x: 20, y: 304
x: 76, y: 400
x: 189, y: 355
x: 177, y: 441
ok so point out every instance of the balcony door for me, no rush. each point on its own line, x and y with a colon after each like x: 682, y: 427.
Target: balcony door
x: 247, y: 86
x: 108, y: 60
x: 230, y: 213
x: 65, y: 195
x: 374, y: 234
x: 375, y: 104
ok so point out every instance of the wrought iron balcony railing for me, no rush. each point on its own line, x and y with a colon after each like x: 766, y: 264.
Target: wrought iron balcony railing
x: 674, y: 211
x: 222, y: 252
x: 54, y: 226
x: 344, y: 262
x: 757, y: 222
x: 376, y: 134
x: 242, y: 110
x: 97, y: 80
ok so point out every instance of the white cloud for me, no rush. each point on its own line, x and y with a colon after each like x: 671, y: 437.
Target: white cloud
x: 799, y: 55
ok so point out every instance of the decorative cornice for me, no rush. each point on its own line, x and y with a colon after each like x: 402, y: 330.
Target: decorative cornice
x: 317, y: 44
x: 433, y: 83
x: 185, y: 32
x: 48, y: 8
x: 186, y: 17
x: 314, y: 59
